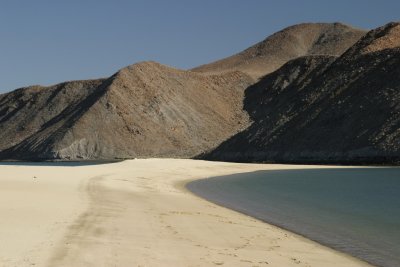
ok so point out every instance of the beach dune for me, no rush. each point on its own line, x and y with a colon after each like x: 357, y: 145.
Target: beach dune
x: 138, y: 213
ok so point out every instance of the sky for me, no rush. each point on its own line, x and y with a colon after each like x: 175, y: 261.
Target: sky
x: 47, y: 42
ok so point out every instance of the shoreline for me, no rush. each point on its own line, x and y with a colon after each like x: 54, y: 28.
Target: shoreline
x: 138, y: 212
x: 376, y: 164
x: 280, y: 227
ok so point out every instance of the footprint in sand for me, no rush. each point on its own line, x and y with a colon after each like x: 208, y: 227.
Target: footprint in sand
x: 296, y: 260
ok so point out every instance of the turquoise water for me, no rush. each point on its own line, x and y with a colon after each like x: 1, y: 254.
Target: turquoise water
x: 356, y: 211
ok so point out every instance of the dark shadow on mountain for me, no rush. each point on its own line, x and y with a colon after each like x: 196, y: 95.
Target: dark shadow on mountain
x: 321, y: 110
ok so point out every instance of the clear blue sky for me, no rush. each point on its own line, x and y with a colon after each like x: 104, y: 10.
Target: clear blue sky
x: 46, y: 42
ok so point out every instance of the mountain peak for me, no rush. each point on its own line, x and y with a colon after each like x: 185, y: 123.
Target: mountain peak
x: 387, y: 36
x: 316, y: 104
x: 292, y: 42
x: 376, y: 40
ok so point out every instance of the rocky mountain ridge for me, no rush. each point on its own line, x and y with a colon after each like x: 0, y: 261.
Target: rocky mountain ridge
x: 143, y: 110
x: 320, y: 93
x: 292, y: 42
x: 326, y: 109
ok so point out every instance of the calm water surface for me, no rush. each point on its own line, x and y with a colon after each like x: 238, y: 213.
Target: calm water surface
x: 356, y: 211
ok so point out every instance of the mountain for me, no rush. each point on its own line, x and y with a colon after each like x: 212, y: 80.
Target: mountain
x: 329, y: 95
x: 287, y: 44
x: 144, y: 110
x: 326, y: 109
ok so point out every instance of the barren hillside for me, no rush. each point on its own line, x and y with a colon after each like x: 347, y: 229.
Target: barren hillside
x: 287, y: 44
x: 322, y: 109
x: 330, y: 98
x: 144, y: 110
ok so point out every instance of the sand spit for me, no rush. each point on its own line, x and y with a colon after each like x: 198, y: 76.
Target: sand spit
x: 137, y: 213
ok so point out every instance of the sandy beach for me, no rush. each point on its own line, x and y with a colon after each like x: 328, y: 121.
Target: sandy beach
x: 138, y: 213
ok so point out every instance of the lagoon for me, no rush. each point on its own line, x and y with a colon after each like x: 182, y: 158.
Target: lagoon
x: 353, y: 210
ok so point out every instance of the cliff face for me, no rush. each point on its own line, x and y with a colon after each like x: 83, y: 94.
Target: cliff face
x: 326, y: 109
x: 290, y: 43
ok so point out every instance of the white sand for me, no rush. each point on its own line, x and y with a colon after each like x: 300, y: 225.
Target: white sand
x: 137, y: 213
